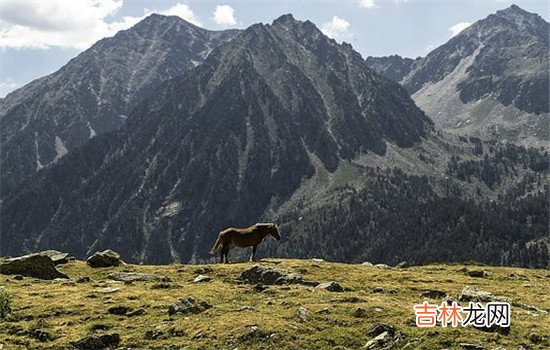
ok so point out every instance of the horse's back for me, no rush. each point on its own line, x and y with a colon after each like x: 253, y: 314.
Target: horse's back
x: 242, y: 237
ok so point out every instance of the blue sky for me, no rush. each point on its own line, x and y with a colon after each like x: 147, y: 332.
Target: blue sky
x: 38, y: 37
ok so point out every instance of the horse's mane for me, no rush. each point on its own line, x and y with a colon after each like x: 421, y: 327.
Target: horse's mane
x: 265, y: 224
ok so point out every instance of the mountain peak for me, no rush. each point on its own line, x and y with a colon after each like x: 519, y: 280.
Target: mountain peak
x: 156, y: 20
x: 104, y: 83
x: 285, y: 19
x: 513, y: 9
x: 156, y: 17
x: 500, y: 60
x: 519, y: 14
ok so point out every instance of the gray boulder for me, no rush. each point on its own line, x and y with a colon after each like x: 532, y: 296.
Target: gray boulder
x: 32, y: 265
x: 107, y: 290
x: 57, y: 256
x: 471, y: 294
x: 188, y: 306
x: 478, y: 273
x: 97, y: 342
x: 269, y: 276
x: 202, y: 278
x: 359, y: 312
x: 303, y: 314
x: 379, y: 328
x: 135, y: 277
x: 330, y: 287
x: 381, y: 341
x: 106, y: 258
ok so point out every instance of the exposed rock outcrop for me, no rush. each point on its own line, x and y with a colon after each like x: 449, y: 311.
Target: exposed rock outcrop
x: 32, y: 265
x: 106, y: 258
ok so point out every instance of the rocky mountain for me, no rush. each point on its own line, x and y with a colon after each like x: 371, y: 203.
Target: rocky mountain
x: 491, y: 80
x: 93, y: 94
x: 283, y: 124
x: 393, y: 67
x: 220, y: 146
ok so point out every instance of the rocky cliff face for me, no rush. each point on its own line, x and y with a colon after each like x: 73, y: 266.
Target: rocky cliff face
x: 94, y: 92
x: 393, y: 67
x: 220, y: 146
x: 491, y: 80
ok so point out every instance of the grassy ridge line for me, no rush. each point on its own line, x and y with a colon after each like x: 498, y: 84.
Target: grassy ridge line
x: 70, y: 311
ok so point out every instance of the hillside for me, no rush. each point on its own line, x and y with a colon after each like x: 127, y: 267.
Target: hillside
x: 94, y: 93
x: 59, y: 313
x: 392, y: 67
x: 488, y: 81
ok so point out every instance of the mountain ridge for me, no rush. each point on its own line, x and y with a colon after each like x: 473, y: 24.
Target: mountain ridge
x: 216, y: 149
x: 283, y: 124
x: 94, y: 91
x: 498, y: 67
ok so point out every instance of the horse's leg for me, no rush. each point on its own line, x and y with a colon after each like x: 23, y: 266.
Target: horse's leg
x: 253, y: 256
x: 221, y: 255
x: 226, y: 253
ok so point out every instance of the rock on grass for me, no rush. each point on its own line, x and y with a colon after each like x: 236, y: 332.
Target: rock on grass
x: 303, y: 314
x: 379, y: 328
x: 136, y: 277
x: 330, y: 287
x: 119, y: 310
x: 478, y: 273
x: 106, y: 258
x: 97, y: 342
x: 269, y: 276
x: 57, y: 256
x: 472, y: 294
x: 202, y: 278
x: 381, y: 341
x: 188, y: 306
x: 32, y: 265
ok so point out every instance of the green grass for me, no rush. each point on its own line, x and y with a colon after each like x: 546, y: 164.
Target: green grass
x: 70, y: 311
x: 346, y: 174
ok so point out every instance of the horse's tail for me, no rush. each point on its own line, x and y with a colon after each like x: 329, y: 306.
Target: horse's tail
x: 216, y: 245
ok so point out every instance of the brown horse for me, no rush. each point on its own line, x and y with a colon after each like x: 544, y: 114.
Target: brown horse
x: 243, y: 237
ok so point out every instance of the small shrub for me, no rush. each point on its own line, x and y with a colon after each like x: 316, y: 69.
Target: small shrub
x: 5, y: 303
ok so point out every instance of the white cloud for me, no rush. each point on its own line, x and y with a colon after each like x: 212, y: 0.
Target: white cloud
x: 75, y: 23
x: 180, y: 10
x: 457, y: 28
x: 367, y: 4
x: 8, y: 85
x: 223, y: 16
x: 338, y: 29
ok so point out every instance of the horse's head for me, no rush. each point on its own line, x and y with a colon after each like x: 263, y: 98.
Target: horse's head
x: 270, y: 229
x: 274, y: 231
